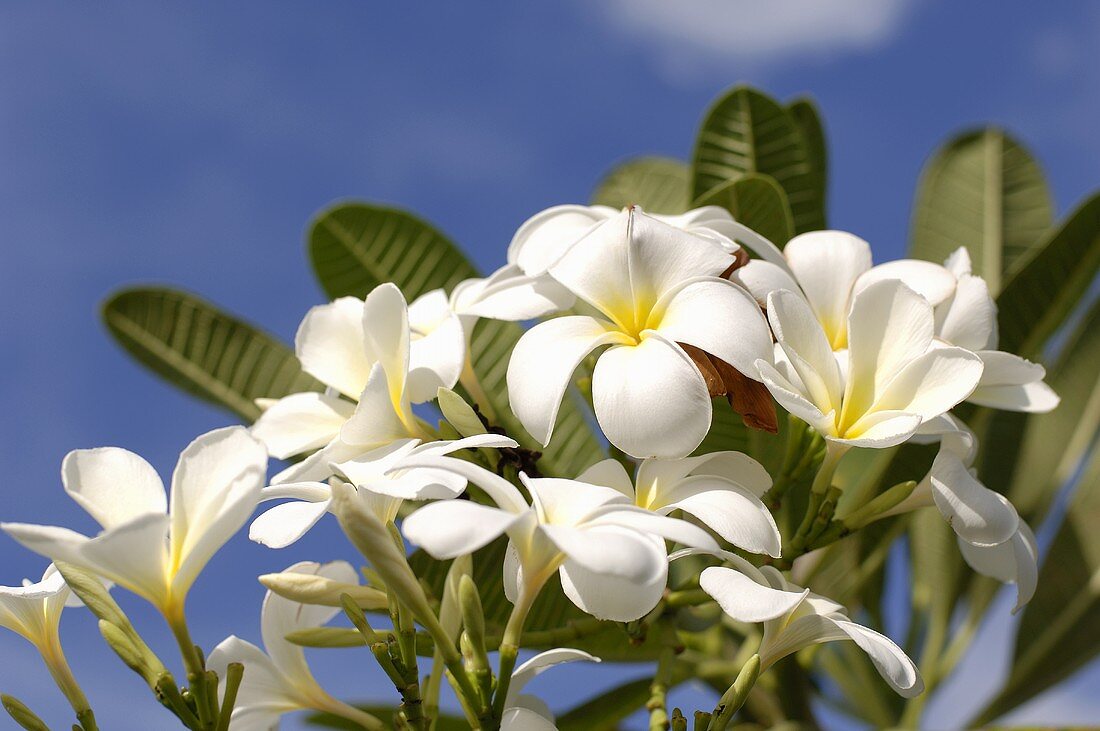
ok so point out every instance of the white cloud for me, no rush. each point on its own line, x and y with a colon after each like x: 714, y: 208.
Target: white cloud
x: 761, y: 31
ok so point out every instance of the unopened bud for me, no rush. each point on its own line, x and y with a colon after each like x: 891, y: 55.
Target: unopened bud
x: 322, y: 591
x: 459, y: 414
x: 891, y: 502
x: 22, y: 715
x: 450, y: 615
x: 473, y: 617
x: 326, y: 637
x: 119, y: 641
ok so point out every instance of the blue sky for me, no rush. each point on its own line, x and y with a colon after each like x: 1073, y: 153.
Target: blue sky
x: 191, y: 145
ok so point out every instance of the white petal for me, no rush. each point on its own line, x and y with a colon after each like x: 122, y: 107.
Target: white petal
x: 318, y: 466
x: 539, y: 664
x: 644, y: 521
x: 132, y: 555
x: 745, y: 236
x: 301, y: 423
x: 614, y: 596
x: 933, y: 282
x: 890, y: 660
x: 738, y: 468
x: 650, y: 399
x: 958, y: 262
x: 888, y: 327
x: 881, y: 429
x: 113, y: 485
x: 807, y: 348
x: 761, y: 278
x: 932, y: 383
x: 282, y: 525
x: 215, y: 488
x: 827, y: 264
x: 386, y: 336
x: 542, y: 365
x: 525, y: 719
x: 436, y: 359
x: 376, y: 421
x: 977, y: 514
x: 512, y: 295
x: 609, y: 473
x: 569, y: 502
x: 1006, y: 369
x: 720, y: 318
x: 331, y: 348
x: 729, y: 510
x: 452, y: 528
x: 1015, y: 561
x: 608, y: 549
x: 969, y: 319
x: 544, y: 237
x: 793, y: 399
x: 1034, y: 398
x: 746, y: 600
x: 499, y: 490
x: 262, y: 686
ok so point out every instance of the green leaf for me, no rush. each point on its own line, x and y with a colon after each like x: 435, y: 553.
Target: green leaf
x: 745, y: 131
x: 657, y: 184
x: 757, y: 201
x: 1038, y: 298
x: 204, y: 351
x: 1054, y: 444
x: 1060, y: 629
x: 355, y: 247
x: 808, y: 118
x: 982, y: 190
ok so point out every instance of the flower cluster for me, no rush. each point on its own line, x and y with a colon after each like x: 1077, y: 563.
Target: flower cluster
x: 655, y: 316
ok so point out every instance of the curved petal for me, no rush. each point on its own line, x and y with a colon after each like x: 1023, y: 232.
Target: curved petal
x: 436, y: 359
x: 330, y: 345
x: 512, y: 295
x: 719, y: 317
x: 215, y: 487
x: 451, y: 528
x: 932, y: 383
x: 569, y: 502
x: 542, y: 365
x: 284, y: 524
x: 525, y: 719
x: 881, y: 429
x: 746, y: 600
x: 263, y: 687
x: 542, y: 239
x: 386, y: 336
x: 608, y: 550
x: 737, y: 467
x: 741, y: 234
x: 933, y: 282
x: 761, y: 278
x: 729, y: 510
x: 1033, y: 398
x: 892, y: 663
x: 113, y: 485
x: 827, y: 264
x: 613, y: 596
x: 499, y: 490
x: 377, y: 420
x: 1006, y: 369
x: 969, y: 319
x: 976, y: 514
x: 888, y: 327
x: 807, y: 348
x: 650, y: 399
x: 539, y: 664
x: 644, y: 521
x: 793, y: 399
x: 132, y: 555
x: 609, y: 473
x: 301, y: 422
x: 1014, y: 561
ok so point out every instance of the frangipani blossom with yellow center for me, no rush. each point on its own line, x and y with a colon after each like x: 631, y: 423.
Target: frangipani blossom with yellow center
x: 150, y: 545
x: 378, y: 477
x: 609, y: 553
x: 279, y: 680
x: 721, y: 489
x: 890, y: 380
x: 653, y: 286
x: 364, y: 352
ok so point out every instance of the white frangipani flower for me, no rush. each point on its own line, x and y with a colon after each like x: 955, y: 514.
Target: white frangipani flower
x: 609, y: 553
x: 524, y: 712
x: 147, y: 545
x: 891, y: 378
x: 380, y: 480
x: 279, y: 681
x: 654, y: 287
x: 721, y: 489
x: 809, y: 620
x: 362, y: 350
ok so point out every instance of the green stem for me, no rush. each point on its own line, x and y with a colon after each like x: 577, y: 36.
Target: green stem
x: 63, y: 676
x: 509, y: 649
x: 662, y: 679
x: 205, y: 707
x: 735, y: 697
x: 233, y: 675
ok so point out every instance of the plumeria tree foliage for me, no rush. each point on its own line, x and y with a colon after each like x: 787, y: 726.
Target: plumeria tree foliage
x: 723, y: 419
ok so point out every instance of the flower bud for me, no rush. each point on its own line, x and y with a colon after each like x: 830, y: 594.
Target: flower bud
x: 322, y: 591
x: 119, y: 641
x: 473, y: 617
x: 22, y: 715
x: 459, y: 414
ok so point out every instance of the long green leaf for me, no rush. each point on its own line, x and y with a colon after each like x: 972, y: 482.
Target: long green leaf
x: 1060, y: 629
x: 204, y: 351
x: 657, y: 184
x: 982, y: 190
x: 1054, y: 444
x: 1039, y: 298
x: 757, y: 201
x: 808, y: 118
x: 355, y: 247
x: 745, y: 131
